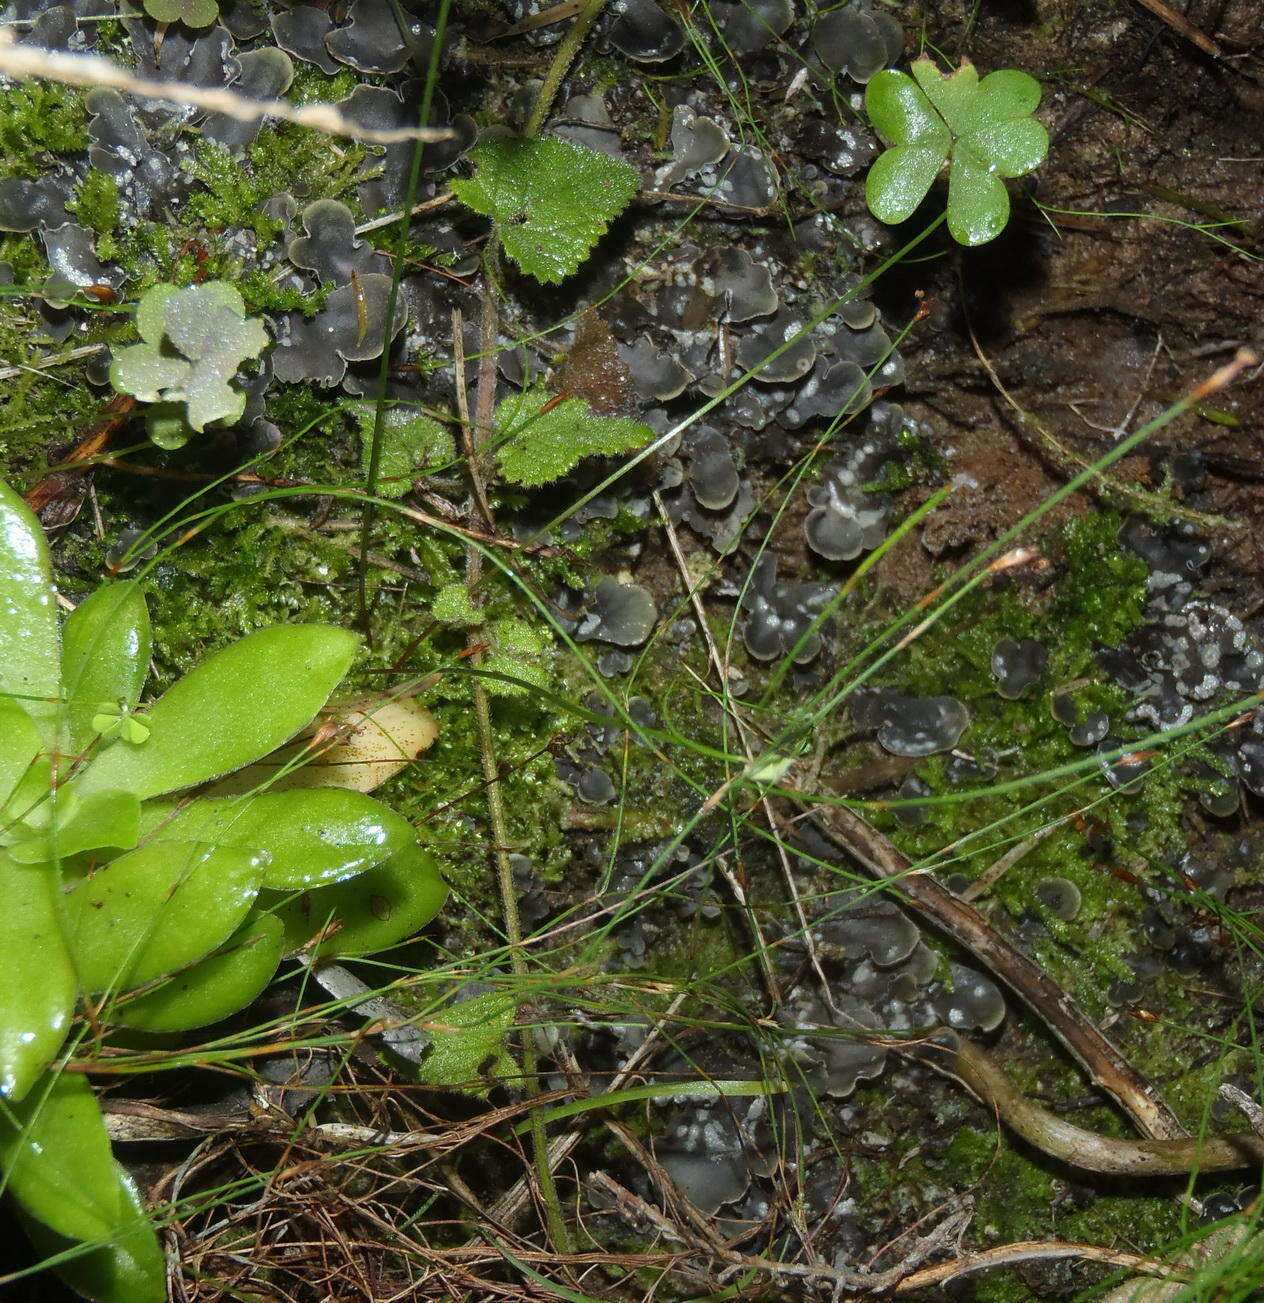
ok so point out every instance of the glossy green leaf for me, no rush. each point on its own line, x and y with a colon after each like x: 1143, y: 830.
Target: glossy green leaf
x: 982, y: 129
x: 129, y: 1269
x: 978, y: 203
x: 19, y: 745
x: 156, y: 910
x: 98, y: 821
x: 214, y: 987
x: 901, y: 113
x: 954, y: 97
x: 58, y: 1166
x: 105, y: 657
x: 370, y: 912
x: 37, y: 979
x: 30, y: 662
x: 232, y: 709
x: 550, y: 200
x: 899, y: 180
x: 313, y: 836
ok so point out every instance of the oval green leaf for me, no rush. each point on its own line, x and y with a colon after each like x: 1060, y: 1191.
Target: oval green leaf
x: 37, y: 979
x: 314, y: 836
x: 371, y: 912
x: 129, y: 1269
x: 236, y: 706
x: 19, y: 745
x: 212, y: 988
x: 101, y: 819
x: 156, y: 910
x: 898, y: 181
x: 901, y: 113
x: 30, y: 665
x: 58, y: 1166
x: 105, y: 656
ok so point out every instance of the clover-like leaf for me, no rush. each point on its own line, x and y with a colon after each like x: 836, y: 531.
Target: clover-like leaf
x: 192, y: 13
x: 539, y: 440
x: 192, y: 342
x: 983, y: 129
x: 550, y: 200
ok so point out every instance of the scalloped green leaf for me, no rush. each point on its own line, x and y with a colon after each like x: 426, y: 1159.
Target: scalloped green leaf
x: 537, y: 443
x: 468, y: 1042
x: 412, y: 444
x: 370, y: 912
x: 550, y: 200
x: 224, y: 982
x: 59, y: 1168
x: 106, y: 643
x: 313, y: 836
x: 234, y: 708
x: 37, y: 979
x: 30, y: 658
x: 156, y: 910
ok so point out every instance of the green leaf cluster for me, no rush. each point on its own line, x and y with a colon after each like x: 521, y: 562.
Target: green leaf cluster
x: 539, y: 440
x: 124, y: 882
x: 550, y: 200
x: 982, y: 129
x: 192, y: 342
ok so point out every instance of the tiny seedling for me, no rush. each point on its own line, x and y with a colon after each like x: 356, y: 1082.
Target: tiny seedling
x: 192, y: 342
x: 982, y: 129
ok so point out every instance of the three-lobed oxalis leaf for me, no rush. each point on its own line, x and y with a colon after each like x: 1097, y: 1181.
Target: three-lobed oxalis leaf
x: 983, y: 129
x: 122, y: 881
x: 550, y: 200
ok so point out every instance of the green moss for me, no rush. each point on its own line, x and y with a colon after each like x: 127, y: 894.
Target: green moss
x: 97, y: 205
x: 39, y: 118
x: 284, y: 159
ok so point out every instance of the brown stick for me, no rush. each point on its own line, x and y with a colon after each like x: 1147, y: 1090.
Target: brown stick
x: 1104, y: 1063
x: 1088, y: 1149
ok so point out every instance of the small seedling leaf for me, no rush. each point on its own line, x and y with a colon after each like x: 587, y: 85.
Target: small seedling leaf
x: 193, y: 341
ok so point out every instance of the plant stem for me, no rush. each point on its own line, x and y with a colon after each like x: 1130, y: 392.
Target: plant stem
x: 480, y: 427
x: 562, y: 61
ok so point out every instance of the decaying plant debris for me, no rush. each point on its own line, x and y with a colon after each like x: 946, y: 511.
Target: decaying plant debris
x: 822, y: 657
